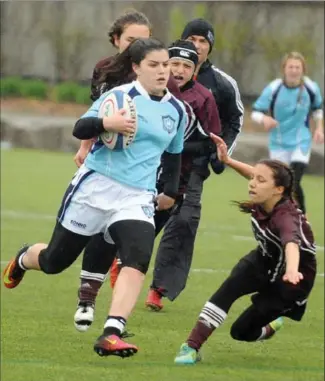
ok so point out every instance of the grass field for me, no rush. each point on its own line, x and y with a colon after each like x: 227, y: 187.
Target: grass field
x: 39, y: 341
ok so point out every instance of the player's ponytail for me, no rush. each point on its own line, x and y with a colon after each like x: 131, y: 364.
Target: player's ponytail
x: 117, y: 71
x: 244, y: 206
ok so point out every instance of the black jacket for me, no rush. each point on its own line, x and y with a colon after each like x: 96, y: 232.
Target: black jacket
x: 226, y: 94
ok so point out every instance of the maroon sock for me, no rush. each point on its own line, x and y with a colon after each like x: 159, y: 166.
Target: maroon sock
x: 266, y: 333
x: 200, y: 334
x: 88, y: 290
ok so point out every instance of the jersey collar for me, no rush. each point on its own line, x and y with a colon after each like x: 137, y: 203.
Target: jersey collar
x: 205, y: 66
x: 144, y: 92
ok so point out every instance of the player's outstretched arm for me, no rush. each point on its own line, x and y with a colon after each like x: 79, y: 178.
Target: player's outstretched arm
x: 243, y: 169
x: 292, y: 274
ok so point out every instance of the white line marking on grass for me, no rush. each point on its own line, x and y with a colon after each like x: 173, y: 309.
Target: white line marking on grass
x: 205, y: 271
x: 38, y: 216
x: 26, y: 215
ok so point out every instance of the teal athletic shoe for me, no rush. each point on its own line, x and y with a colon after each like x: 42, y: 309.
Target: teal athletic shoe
x: 187, y: 355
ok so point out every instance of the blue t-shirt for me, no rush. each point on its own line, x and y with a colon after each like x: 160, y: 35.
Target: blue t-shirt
x: 161, y: 126
x: 291, y: 107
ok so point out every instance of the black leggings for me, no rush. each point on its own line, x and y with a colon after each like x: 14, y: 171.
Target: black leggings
x: 243, y: 280
x: 248, y: 327
x: 99, y: 254
x: 131, y: 236
x: 64, y: 248
x: 299, y: 170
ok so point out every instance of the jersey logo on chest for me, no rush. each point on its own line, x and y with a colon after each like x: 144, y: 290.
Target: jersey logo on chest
x: 169, y: 124
x: 142, y: 118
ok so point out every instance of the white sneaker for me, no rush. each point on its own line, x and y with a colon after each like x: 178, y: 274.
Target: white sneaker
x: 84, y: 316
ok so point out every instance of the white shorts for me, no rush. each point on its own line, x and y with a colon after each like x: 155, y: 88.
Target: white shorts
x: 288, y: 157
x: 93, y: 202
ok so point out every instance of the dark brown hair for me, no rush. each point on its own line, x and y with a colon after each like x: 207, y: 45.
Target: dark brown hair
x: 120, y: 68
x: 128, y: 18
x: 283, y: 177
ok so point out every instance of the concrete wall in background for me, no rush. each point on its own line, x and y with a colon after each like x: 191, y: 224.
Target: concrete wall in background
x: 63, y: 40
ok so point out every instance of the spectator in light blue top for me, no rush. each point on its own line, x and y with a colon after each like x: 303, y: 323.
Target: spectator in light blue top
x: 284, y: 109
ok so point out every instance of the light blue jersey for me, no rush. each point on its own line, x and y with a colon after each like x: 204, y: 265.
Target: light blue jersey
x: 161, y: 126
x: 291, y: 107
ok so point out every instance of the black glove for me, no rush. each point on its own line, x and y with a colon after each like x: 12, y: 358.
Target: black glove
x: 217, y: 166
x: 209, y: 147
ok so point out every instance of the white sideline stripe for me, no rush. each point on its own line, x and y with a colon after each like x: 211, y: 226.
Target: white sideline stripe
x: 205, y: 271
x: 38, y: 216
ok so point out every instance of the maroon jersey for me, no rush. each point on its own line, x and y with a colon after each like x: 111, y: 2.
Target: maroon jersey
x: 203, y: 118
x: 273, y: 231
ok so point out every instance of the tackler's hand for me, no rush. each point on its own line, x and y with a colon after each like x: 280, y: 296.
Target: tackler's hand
x: 164, y: 202
x: 222, y: 150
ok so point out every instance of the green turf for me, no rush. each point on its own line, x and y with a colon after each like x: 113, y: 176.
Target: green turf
x: 39, y: 341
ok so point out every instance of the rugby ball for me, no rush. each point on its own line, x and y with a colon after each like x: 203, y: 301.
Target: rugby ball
x: 116, y: 100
